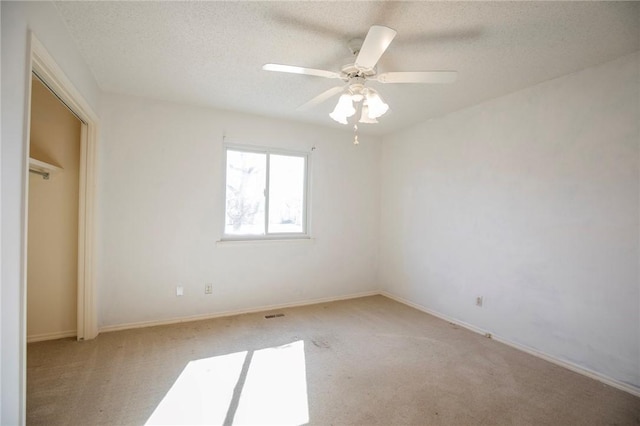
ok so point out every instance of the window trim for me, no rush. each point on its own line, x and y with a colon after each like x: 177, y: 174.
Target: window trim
x: 275, y: 236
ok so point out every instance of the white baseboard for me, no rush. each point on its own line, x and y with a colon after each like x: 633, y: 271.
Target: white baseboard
x: 51, y: 336
x: 141, y: 324
x: 557, y: 361
x: 554, y: 360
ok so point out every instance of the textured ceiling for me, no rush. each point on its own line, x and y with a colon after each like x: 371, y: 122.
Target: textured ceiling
x: 211, y: 53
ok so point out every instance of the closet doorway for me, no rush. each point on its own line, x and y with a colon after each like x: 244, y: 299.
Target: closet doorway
x: 58, y: 289
x: 53, y: 216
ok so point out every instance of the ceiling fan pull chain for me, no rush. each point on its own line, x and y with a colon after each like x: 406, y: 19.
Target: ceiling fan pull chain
x: 355, y: 134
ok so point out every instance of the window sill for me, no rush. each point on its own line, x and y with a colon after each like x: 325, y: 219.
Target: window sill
x: 260, y: 241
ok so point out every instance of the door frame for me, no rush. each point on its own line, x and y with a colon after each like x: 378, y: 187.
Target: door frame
x: 44, y: 66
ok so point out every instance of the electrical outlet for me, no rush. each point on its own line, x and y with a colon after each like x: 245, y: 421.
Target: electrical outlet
x: 208, y: 288
x: 179, y: 290
x: 479, y: 301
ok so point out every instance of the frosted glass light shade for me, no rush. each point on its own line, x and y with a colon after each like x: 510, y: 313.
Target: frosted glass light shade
x: 376, y: 106
x: 342, y: 119
x: 365, y: 117
x: 343, y: 109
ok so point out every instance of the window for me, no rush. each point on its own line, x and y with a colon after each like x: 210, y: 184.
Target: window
x: 266, y: 193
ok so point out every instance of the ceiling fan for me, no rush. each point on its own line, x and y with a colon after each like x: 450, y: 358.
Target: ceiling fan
x: 357, y: 73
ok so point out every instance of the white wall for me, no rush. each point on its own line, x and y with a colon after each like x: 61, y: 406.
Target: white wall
x: 1, y: 287
x: 1, y: 233
x: 530, y: 200
x: 160, y: 204
x: 17, y: 19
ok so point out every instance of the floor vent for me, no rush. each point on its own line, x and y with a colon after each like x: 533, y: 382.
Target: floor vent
x: 273, y: 316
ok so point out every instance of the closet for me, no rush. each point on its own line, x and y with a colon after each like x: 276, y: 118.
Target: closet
x: 52, y: 227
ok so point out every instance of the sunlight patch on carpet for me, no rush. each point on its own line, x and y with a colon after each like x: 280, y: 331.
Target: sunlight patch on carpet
x: 266, y: 386
x: 275, y: 391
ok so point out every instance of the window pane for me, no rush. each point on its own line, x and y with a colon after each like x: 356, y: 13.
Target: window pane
x: 246, y: 178
x: 286, y: 193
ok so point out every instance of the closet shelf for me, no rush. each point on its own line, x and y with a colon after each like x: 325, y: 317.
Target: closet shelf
x: 43, y: 169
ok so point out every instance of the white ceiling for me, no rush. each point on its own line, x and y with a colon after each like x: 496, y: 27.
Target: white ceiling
x: 211, y: 53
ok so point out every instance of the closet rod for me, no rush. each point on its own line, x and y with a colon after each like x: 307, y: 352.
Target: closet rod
x: 45, y: 175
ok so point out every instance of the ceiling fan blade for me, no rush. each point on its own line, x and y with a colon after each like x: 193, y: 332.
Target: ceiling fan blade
x: 300, y: 70
x: 321, y: 98
x: 418, y: 77
x: 374, y: 45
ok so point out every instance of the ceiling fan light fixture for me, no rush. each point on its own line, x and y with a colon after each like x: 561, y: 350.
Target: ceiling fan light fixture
x: 365, y: 117
x: 345, y: 105
x: 376, y: 106
x: 343, y: 109
x: 342, y: 119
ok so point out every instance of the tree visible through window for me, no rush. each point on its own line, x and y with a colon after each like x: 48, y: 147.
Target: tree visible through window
x: 265, y: 193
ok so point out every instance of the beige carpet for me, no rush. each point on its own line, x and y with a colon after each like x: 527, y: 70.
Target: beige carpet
x: 368, y: 361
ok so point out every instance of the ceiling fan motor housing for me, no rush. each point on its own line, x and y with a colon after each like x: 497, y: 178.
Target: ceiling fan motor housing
x: 351, y: 70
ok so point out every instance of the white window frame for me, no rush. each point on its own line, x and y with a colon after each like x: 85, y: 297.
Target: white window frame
x: 305, y: 234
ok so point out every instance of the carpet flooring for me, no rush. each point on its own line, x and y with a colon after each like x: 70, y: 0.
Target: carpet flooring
x: 366, y: 361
